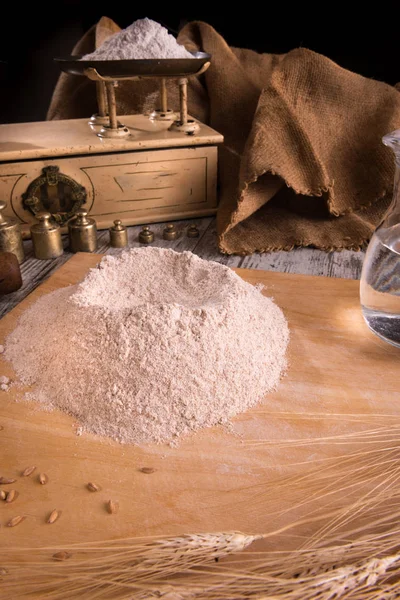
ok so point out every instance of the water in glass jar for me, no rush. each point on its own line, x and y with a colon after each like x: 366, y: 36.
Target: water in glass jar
x: 380, y: 284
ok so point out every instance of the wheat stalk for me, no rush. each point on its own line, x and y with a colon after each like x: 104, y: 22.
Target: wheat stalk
x: 110, y: 567
x: 140, y: 570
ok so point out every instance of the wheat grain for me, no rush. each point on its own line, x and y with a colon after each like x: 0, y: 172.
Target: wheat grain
x: 43, y: 479
x: 93, y: 487
x: 28, y: 471
x: 15, y: 521
x: 11, y: 496
x: 6, y: 480
x: 112, y: 507
x: 54, y: 515
x: 3, y: 495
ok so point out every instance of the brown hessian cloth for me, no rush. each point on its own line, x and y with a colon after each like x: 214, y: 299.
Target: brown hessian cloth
x: 302, y: 164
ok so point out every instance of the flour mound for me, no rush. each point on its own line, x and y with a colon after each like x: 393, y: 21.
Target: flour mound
x: 143, y: 39
x: 151, y: 345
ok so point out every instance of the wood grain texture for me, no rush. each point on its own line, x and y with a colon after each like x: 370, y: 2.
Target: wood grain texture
x: 214, y: 480
x: 344, y: 264
x: 155, y: 185
x: 43, y: 139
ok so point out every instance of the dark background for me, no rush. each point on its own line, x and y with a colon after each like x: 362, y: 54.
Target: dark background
x: 364, y: 40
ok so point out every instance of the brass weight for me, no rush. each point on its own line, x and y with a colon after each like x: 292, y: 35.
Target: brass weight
x: 146, y: 236
x: 46, y: 237
x: 82, y: 232
x: 10, y: 235
x: 170, y: 233
x: 118, y: 235
x: 192, y: 231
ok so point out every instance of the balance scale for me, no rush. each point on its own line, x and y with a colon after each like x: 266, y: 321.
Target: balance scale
x: 145, y: 169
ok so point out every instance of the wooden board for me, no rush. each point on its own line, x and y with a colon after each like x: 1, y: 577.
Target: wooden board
x: 215, y: 480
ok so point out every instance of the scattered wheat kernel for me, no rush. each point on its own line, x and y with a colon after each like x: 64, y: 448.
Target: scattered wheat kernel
x: 62, y: 555
x: 53, y: 516
x: 147, y: 470
x: 11, y: 496
x: 28, y: 471
x: 6, y: 480
x: 92, y: 487
x: 112, y: 507
x: 15, y: 521
x: 3, y: 495
x: 3, y: 571
x: 43, y: 479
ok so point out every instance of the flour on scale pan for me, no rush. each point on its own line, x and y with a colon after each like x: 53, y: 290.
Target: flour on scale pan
x: 143, y: 39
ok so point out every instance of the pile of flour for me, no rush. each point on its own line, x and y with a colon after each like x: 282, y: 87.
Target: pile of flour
x: 143, y: 39
x: 153, y: 344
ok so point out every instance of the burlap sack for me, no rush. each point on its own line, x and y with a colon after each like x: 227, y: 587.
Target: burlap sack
x: 303, y: 162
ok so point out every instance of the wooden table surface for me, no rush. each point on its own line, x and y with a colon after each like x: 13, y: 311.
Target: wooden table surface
x: 308, y: 261
x: 341, y: 379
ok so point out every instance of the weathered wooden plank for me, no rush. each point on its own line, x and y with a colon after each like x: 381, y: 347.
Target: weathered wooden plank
x: 309, y: 261
x: 207, y: 248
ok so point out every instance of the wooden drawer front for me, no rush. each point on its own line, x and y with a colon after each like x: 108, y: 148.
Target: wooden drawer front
x: 137, y: 187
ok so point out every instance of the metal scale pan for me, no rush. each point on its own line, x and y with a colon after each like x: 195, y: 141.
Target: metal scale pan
x: 128, y: 69
x: 107, y: 72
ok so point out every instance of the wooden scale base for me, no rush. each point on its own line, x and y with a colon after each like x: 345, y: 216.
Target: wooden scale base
x: 143, y: 170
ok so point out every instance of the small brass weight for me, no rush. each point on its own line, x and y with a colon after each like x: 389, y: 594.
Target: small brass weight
x: 118, y: 235
x: 170, y: 233
x: 146, y: 236
x: 46, y: 237
x: 192, y: 231
x: 82, y: 232
x: 10, y: 236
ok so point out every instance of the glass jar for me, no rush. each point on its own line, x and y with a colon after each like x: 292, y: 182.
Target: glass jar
x: 380, y: 276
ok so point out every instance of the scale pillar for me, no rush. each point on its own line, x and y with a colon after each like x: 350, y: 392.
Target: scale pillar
x: 163, y: 113
x: 184, y: 124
